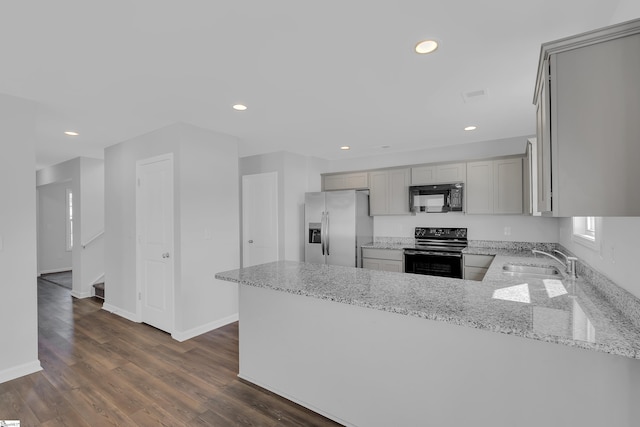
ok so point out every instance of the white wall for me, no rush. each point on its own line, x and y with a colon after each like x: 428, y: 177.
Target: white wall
x: 85, y: 177
x: 206, y: 224
x: 53, y: 255
x: 476, y: 150
x: 209, y: 221
x: 626, y: 11
x: 18, y: 290
x: 618, y: 254
x: 480, y: 227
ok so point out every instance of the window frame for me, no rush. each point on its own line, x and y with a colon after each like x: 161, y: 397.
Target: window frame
x: 586, y: 231
x: 68, y: 208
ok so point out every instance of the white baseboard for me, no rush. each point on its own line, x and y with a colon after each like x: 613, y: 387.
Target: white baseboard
x: 81, y: 295
x: 122, y: 313
x: 20, y: 371
x: 55, y: 270
x: 185, y: 335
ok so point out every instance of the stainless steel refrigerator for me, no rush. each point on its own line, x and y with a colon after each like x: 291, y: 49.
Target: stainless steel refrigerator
x: 337, y: 224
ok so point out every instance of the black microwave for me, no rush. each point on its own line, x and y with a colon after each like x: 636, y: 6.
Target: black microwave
x: 436, y: 198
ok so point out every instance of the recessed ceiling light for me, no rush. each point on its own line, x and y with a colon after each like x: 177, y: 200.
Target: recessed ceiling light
x: 385, y: 146
x: 239, y: 107
x: 345, y: 147
x: 426, y: 46
x: 470, y: 128
x: 71, y: 133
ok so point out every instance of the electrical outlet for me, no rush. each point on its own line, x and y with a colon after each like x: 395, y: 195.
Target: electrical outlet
x: 507, y: 231
x: 613, y: 254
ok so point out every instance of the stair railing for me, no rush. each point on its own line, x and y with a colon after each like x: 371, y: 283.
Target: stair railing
x: 94, y: 238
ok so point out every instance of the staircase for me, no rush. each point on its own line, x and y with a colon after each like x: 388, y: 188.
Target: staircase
x: 99, y: 290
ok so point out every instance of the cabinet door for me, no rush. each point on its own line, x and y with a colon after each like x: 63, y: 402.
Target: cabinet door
x: 378, y: 193
x: 543, y: 144
x: 345, y: 181
x: 507, y: 187
x: 333, y: 182
x: 454, y: 172
x: 423, y: 175
x: 399, y: 191
x: 372, y: 264
x: 595, y: 129
x: 394, y: 266
x: 480, y: 187
x: 439, y: 174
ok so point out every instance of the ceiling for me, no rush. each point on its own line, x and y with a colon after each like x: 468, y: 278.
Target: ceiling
x: 314, y: 75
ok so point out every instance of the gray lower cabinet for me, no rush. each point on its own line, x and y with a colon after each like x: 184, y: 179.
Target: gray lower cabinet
x: 383, y: 259
x: 476, y: 266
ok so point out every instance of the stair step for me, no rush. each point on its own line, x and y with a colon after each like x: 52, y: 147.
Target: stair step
x: 99, y: 290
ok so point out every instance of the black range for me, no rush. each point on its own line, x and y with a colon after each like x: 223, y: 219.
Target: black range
x: 437, y: 252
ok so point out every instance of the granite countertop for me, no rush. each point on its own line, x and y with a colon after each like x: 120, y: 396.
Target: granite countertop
x: 569, y: 312
x: 387, y: 245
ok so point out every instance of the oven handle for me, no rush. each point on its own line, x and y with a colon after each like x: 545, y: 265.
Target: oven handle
x: 448, y: 254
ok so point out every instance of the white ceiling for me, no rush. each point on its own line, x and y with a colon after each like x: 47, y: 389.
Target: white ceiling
x: 315, y: 75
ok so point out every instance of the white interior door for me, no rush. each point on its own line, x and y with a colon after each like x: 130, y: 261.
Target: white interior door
x: 259, y: 218
x: 154, y: 229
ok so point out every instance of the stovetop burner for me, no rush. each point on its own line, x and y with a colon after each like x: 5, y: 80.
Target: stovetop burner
x: 440, y: 239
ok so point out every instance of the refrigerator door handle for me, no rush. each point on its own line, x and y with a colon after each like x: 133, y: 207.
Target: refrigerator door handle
x: 322, y: 239
x: 328, y: 238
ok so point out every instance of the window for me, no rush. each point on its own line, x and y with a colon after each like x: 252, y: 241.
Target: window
x: 585, y: 231
x: 69, y: 215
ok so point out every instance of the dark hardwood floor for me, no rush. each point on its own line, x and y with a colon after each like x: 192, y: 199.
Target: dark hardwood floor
x: 100, y: 369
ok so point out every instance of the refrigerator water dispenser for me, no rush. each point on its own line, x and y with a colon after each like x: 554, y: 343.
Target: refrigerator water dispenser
x: 315, y: 232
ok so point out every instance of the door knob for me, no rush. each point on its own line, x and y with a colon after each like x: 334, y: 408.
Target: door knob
x: 165, y: 255
x: 250, y: 241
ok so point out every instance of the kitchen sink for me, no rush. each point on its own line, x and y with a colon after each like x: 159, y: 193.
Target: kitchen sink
x: 537, y: 271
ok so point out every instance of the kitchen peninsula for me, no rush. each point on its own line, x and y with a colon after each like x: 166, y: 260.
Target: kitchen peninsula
x: 367, y: 347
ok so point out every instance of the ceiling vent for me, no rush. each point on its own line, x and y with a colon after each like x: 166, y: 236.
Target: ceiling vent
x: 475, y: 96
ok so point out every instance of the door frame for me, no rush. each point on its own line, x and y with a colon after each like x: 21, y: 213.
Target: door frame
x: 171, y: 249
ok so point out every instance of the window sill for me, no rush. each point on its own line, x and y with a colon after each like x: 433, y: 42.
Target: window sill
x: 586, y: 241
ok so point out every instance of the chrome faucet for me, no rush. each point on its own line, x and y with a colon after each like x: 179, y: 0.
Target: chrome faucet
x: 569, y: 266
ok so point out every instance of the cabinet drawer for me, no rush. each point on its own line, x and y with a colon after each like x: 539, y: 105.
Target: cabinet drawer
x: 383, y: 265
x: 482, y: 261
x: 474, y: 273
x: 390, y: 254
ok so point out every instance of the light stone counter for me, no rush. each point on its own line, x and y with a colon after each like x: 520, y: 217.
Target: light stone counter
x: 571, y: 312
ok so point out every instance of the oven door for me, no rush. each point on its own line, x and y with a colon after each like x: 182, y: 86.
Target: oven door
x: 443, y: 264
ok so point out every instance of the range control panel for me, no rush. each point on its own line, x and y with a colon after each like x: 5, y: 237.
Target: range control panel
x: 441, y: 233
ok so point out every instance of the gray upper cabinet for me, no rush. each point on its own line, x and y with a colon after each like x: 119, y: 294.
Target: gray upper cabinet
x: 479, y: 188
x: 389, y: 192
x: 507, y: 186
x: 495, y: 187
x: 345, y: 181
x: 588, y: 125
x: 438, y: 174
